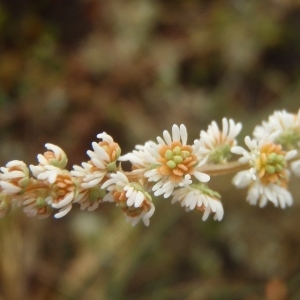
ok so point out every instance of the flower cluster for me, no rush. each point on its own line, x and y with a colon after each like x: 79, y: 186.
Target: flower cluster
x: 273, y: 145
x: 168, y: 167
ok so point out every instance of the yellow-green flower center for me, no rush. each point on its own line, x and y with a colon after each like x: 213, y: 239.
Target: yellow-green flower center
x: 220, y: 154
x: 175, y: 157
x: 289, y: 139
x: 271, y: 164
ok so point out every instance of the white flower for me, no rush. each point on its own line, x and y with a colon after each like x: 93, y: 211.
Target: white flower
x: 102, y: 160
x: 89, y: 175
x: 259, y: 193
x: 267, y: 177
x: 135, y: 202
x: 132, y: 191
x: 143, y: 157
x: 243, y: 178
x: 193, y: 197
x: 34, y: 203
x: 52, y: 159
x: 214, y: 145
x: 144, y: 216
x: 89, y: 199
x: 49, y: 174
x: 171, y: 160
x: 14, y: 177
x: 62, y: 193
x: 255, y: 148
x: 286, y: 124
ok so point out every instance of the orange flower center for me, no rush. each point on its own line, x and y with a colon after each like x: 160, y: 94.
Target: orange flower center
x: 112, y: 149
x: 62, y: 186
x: 49, y: 155
x: 177, y: 160
x: 131, y: 211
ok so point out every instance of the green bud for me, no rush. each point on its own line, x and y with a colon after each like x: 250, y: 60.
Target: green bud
x: 171, y: 164
x: 206, y: 190
x: 118, y: 152
x: 61, y: 164
x: 279, y: 158
x: 289, y: 139
x: 270, y: 169
x: 177, y: 150
x: 271, y: 157
x: 40, y: 201
x: 96, y: 193
x: 185, y: 154
x: 169, y: 154
x: 112, y: 167
x: 220, y: 155
x: 178, y: 159
x: 24, y: 182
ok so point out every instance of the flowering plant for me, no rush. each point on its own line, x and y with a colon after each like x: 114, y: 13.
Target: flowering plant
x: 169, y: 167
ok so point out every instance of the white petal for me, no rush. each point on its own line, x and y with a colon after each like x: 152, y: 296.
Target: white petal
x: 9, y: 188
x: 69, y: 197
x: 105, y: 137
x: 139, y: 199
x: 92, y: 183
x: 291, y: 154
x: 131, y: 199
x: 12, y: 174
x: 42, y: 160
x: 224, y: 127
x: 58, y: 152
x: 158, y: 185
x: 63, y: 211
x: 238, y: 150
x: 242, y: 179
x: 206, y: 214
x: 99, y: 164
x: 167, y: 137
x: 14, y: 163
x: 160, y: 141
x: 122, y: 177
x: 129, y: 189
x: 175, y: 133
x: 52, y: 177
x: 183, y: 133
x: 201, y: 176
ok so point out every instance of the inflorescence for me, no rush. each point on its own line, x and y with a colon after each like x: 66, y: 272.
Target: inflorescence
x: 170, y: 167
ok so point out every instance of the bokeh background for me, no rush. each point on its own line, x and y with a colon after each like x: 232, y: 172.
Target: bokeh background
x: 70, y: 69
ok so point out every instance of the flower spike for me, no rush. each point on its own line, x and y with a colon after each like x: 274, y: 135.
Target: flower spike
x: 169, y: 167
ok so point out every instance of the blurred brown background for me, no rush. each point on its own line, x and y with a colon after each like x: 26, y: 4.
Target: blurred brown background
x: 70, y: 69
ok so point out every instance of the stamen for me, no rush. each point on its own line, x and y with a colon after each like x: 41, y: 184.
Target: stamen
x: 270, y: 169
x: 270, y: 164
x: 169, y: 154
x: 185, y: 154
x: 171, y: 164
x: 177, y: 150
x: 177, y: 159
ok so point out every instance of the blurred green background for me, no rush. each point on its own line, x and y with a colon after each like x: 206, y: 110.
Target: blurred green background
x: 70, y: 69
